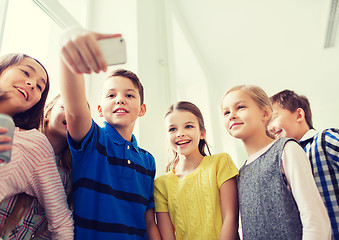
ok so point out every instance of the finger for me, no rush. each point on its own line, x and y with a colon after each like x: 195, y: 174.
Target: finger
x: 91, y: 53
x: 5, y: 139
x: 74, y: 58
x: 3, y: 130
x: 4, y: 148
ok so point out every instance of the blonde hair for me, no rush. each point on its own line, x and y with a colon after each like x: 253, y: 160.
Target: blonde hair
x: 258, y: 95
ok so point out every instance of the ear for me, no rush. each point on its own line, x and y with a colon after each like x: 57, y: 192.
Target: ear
x: 100, y: 111
x: 300, y: 115
x: 267, y: 113
x: 203, y: 134
x: 142, y: 110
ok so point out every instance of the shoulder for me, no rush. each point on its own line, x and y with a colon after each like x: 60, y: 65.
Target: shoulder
x: 163, y: 179
x: 33, y: 139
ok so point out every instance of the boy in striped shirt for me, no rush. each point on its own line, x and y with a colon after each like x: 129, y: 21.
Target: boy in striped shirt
x: 112, y: 176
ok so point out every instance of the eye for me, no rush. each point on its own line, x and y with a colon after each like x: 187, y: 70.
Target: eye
x: 172, y: 129
x: 25, y: 72
x: 39, y: 87
x: 189, y: 126
x: 226, y: 113
x: 111, y: 95
x: 241, y: 107
x: 130, y: 96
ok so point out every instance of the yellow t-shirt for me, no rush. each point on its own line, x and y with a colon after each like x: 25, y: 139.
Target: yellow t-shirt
x: 193, y: 201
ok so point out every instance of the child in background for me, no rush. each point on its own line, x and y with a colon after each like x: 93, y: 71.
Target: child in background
x: 25, y: 209
x: 292, y: 117
x: 278, y: 198
x: 24, y: 83
x: 197, y: 197
x: 112, y: 176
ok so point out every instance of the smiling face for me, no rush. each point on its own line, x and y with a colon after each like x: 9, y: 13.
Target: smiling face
x: 183, y: 132
x: 121, y: 103
x: 243, y: 118
x: 284, y: 123
x: 24, y: 84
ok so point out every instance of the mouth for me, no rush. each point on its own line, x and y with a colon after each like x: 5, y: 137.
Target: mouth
x: 277, y: 134
x: 120, y: 110
x: 23, y: 92
x: 234, y: 125
x: 182, y: 142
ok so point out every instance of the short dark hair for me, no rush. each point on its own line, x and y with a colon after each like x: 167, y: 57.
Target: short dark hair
x: 133, y: 77
x: 33, y: 117
x: 288, y: 99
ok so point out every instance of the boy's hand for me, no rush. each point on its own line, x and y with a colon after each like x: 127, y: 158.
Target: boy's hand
x: 80, y: 50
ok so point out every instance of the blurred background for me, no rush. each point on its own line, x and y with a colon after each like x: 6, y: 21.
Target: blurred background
x: 193, y: 50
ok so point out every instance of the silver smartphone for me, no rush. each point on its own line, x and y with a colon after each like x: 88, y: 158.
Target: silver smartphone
x: 114, y: 50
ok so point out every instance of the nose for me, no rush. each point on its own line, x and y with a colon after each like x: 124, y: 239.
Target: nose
x: 30, y: 84
x: 231, y: 116
x: 120, y: 100
x: 180, y: 134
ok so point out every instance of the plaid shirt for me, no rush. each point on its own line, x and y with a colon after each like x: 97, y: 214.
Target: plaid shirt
x: 34, y: 216
x: 322, y: 149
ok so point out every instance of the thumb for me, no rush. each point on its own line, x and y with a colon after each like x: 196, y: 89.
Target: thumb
x: 100, y: 36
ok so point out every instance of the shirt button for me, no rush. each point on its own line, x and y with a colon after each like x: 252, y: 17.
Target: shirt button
x: 127, y: 147
x: 128, y: 162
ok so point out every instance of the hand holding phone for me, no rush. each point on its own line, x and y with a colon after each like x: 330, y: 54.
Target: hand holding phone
x: 6, y: 122
x: 114, y: 50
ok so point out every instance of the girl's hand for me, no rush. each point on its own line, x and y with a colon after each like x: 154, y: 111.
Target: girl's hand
x: 4, y: 139
x: 80, y: 50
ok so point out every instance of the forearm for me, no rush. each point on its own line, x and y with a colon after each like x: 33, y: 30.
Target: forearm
x: 229, y: 229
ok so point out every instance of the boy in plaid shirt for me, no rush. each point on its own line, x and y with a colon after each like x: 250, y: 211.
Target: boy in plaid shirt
x: 292, y: 117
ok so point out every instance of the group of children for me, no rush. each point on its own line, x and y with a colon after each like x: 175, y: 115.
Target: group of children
x: 280, y: 192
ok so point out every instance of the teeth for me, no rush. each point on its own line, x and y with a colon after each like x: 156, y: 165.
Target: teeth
x: 182, y: 142
x: 23, y: 93
x: 120, y: 111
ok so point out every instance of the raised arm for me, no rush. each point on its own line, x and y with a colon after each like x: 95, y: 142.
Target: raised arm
x: 80, y: 54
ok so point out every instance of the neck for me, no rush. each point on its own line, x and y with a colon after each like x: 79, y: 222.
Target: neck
x: 303, y: 130
x: 257, y: 143
x: 58, y: 142
x: 190, y: 162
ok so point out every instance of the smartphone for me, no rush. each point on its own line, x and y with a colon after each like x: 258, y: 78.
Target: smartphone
x: 114, y: 50
x: 6, y: 121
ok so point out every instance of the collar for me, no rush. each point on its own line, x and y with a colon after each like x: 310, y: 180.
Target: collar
x: 308, y: 135
x: 118, y: 139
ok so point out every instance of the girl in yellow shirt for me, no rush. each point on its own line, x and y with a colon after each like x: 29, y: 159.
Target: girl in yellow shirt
x: 197, y: 197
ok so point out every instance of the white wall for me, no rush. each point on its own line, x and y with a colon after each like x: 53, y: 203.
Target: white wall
x: 196, y: 50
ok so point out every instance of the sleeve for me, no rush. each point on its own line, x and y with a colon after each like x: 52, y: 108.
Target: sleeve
x: 160, y: 198
x: 313, y: 214
x: 330, y: 144
x: 77, y: 148
x: 47, y: 186
x: 226, y: 169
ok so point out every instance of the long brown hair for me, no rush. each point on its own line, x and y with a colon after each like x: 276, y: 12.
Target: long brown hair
x: 188, y: 107
x: 32, y: 117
